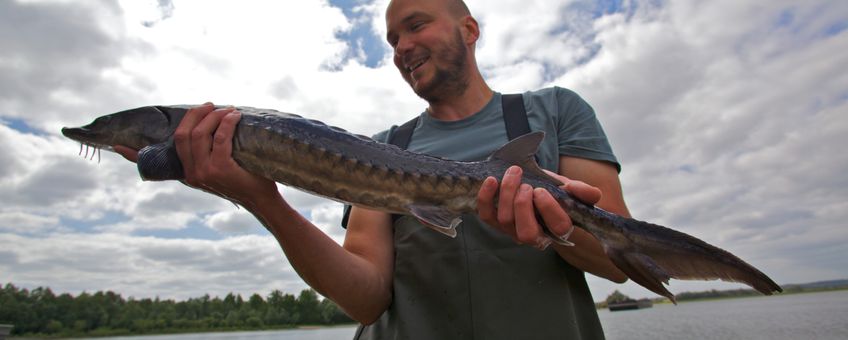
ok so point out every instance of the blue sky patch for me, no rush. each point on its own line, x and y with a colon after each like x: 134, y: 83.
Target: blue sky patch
x: 364, y: 45
x: 687, y: 168
x: 110, y: 217
x: 194, y: 230
x: 605, y: 7
x: 835, y: 28
x: 21, y: 126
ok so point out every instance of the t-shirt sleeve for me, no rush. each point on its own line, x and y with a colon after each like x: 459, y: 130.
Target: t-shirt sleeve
x: 383, y: 136
x: 579, y: 132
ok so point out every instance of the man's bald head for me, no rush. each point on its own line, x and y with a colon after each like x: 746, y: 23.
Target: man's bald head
x: 458, y: 8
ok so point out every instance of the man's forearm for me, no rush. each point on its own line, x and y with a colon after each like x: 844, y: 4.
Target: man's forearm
x: 588, y: 255
x: 349, y: 280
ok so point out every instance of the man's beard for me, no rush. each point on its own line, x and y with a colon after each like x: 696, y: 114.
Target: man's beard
x: 451, y: 81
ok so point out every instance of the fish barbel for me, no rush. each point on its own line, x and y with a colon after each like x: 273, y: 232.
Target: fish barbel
x: 333, y: 163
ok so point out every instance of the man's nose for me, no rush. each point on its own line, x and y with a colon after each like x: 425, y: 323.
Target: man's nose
x: 403, y: 46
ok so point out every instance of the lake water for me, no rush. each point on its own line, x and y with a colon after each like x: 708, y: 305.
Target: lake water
x: 798, y: 316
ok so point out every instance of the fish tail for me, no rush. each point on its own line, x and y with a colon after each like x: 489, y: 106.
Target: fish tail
x: 651, y: 254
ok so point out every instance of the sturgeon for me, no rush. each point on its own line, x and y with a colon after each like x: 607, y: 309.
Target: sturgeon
x: 354, y: 169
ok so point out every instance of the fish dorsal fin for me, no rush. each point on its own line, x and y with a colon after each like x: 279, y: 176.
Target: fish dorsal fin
x: 159, y: 162
x: 520, y: 151
x: 436, y: 218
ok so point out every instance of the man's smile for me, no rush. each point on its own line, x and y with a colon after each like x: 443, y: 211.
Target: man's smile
x: 415, y: 64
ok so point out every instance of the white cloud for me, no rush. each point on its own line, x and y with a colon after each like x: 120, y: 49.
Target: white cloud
x: 19, y: 222
x: 239, y: 221
x: 328, y: 217
x: 146, y: 266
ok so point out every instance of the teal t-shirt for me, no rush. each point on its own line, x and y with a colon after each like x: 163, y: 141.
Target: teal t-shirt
x: 481, y: 285
x: 569, y: 123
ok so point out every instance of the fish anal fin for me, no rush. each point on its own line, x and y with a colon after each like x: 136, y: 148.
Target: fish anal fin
x: 159, y: 162
x: 642, y: 270
x: 436, y: 218
x: 520, y: 151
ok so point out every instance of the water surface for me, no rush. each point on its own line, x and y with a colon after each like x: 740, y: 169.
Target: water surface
x: 797, y: 316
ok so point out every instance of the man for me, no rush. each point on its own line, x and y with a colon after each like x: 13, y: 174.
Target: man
x: 403, y: 280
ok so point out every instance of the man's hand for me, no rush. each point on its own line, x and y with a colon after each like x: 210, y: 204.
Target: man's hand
x: 517, y: 204
x: 204, y: 144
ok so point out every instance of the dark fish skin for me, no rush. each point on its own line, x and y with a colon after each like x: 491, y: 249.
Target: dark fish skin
x: 330, y: 162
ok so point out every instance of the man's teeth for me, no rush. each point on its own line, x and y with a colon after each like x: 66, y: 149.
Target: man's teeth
x: 415, y: 66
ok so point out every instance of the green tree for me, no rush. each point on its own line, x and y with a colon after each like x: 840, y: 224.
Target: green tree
x: 308, y: 307
x: 616, y: 297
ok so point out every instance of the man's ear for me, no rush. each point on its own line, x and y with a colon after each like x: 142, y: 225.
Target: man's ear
x: 471, y: 30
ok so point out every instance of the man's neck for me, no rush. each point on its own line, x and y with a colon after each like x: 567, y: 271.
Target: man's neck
x: 471, y: 101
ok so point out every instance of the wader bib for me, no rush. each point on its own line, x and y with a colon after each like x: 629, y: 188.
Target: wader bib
x: 487, y: 286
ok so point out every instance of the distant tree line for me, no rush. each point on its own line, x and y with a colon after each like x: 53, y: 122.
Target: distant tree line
x: 41, y: 312
x: 617, y: 296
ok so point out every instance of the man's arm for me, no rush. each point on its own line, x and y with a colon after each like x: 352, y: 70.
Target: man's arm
x: 357, y: 276
x: 588, y: 254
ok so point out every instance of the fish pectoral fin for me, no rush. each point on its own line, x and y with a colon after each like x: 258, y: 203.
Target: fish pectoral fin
x: 159, y: 162
x: 436, y: 218
x: 520, y: 151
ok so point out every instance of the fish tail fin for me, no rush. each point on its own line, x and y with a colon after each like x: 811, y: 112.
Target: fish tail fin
x: 651, y: 254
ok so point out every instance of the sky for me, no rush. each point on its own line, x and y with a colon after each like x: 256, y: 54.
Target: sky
x: 727, y: 117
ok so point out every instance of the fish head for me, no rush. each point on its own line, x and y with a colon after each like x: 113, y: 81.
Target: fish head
x: 134, y: 128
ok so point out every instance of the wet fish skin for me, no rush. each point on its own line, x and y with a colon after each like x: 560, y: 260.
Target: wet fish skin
x: 354, y: 169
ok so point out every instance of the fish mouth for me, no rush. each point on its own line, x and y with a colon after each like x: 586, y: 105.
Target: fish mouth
x: 87, y: 140
x: 82, y: 135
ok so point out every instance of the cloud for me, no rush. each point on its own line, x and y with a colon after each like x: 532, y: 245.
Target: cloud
x: 19, y: 222
x: 728, y: 120
x: 328, y: 217
x: 132, y: 266
x: 54, y: 57
x: 233, y: 222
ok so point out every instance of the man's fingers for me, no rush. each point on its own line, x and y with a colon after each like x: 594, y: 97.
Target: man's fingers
x: 509, y: 187
x: 527, y: 229
x: 555, y: 218
x: 128, y: 153
x: 486, y: 200
x: 580, y: 190
x: 201, y: 135
x: 584, y: 192
x: 486, y: 205
x: 182, y: 135
x: 222, y: 147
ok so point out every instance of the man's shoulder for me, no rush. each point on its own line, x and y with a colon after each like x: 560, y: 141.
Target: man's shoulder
x: 549, y: 92
x: 554, y: 100
x: 383, y: 136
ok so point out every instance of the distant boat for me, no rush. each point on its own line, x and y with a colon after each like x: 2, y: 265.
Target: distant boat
x: 4, y: 331
x: 630, y: 304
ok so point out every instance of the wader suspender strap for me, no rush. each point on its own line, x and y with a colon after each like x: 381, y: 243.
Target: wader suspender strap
x: 514, y: 116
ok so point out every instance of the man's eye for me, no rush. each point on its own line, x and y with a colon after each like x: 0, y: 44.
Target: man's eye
x: 416, y: 26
